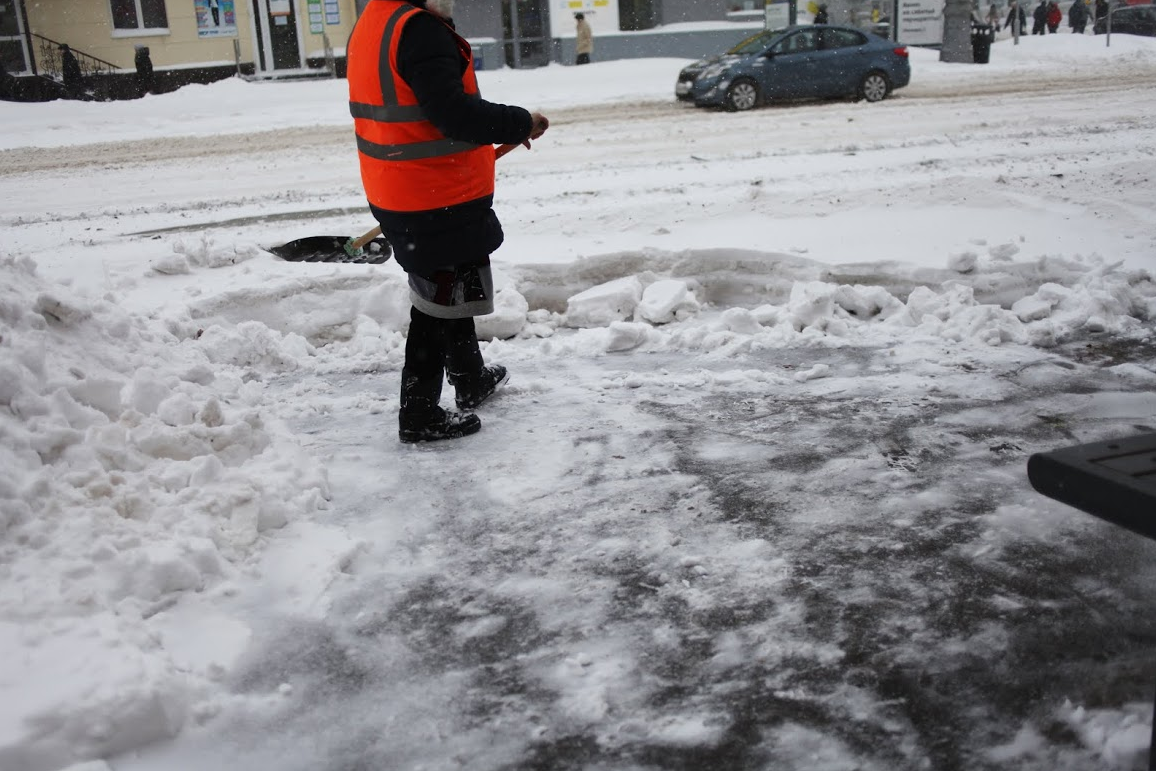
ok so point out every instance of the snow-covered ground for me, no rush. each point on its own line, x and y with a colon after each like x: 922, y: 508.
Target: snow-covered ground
x: 755, y: 496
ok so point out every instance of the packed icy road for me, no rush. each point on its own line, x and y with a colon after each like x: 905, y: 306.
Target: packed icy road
x: 755, y: 496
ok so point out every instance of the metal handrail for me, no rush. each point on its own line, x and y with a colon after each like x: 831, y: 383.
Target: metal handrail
x: 96, y: 75
x: 53, y: 64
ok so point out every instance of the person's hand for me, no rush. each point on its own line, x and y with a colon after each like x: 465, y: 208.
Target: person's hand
x: 538, y: 126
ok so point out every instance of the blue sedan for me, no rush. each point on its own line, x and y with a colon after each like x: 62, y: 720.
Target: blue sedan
x: 807, y: 62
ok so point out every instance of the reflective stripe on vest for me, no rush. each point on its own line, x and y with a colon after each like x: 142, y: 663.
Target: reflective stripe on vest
x: 406, y: 163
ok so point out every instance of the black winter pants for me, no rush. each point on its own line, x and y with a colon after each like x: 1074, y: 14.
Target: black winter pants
x: 434, y: 347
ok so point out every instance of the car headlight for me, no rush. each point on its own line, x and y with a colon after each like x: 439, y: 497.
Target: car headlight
x: 713, y: 71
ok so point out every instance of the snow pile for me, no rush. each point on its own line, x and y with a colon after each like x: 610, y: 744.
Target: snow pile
x: 202, y: 253
x: 1047, y: 301
x: 286, y: 324
x: 131, y: 472
x: 600, y: 305
x: 1120, y: 738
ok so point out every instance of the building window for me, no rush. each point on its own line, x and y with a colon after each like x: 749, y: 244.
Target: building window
x: 139, y: 14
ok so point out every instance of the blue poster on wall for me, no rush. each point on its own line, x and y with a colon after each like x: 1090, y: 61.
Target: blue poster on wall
x: 215, y: 18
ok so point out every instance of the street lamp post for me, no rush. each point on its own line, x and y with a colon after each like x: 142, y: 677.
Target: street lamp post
x: 956, y: 32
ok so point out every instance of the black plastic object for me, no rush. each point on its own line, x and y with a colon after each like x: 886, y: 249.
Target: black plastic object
x: 333, y: 249
x: 1113, y: 480
x: 982, y: 36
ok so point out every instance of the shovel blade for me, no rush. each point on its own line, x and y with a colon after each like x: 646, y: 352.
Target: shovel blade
x: 333, y: 249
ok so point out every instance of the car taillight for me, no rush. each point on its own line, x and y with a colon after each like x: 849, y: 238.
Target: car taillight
x: 900, y: 51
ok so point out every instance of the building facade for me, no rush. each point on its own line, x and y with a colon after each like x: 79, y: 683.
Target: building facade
x: 526, y: 28
x: 203, y: 39
x: 166, y: 43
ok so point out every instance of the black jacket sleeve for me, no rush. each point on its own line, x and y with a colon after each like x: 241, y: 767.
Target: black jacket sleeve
x: 428, y: 60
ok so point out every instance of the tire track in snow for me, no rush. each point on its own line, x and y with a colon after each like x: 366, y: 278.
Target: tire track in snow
x: 273, y: 143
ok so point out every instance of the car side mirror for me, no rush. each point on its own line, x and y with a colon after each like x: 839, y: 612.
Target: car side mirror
x: 769, y: 55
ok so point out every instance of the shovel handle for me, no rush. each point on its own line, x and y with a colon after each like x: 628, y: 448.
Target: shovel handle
x: 361, y: 241
x: 501, y: 150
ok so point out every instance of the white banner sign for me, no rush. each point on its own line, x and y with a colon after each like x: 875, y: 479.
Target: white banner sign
x: 920, y: 22
x: 778, y: 14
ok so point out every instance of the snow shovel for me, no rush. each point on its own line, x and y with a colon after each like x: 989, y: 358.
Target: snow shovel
x: 367, y: 249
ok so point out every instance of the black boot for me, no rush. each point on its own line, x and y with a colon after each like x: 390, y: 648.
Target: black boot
x: 471, y: 391
x: 420, y: 419
x: 472, y: 380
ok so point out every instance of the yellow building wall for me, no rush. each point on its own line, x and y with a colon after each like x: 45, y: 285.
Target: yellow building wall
x: 314, y: 45
x: 87, y: 27
x: 182, y: 46
x: 83, y: 26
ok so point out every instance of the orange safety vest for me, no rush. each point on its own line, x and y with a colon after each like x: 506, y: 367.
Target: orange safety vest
x: 407, y: 165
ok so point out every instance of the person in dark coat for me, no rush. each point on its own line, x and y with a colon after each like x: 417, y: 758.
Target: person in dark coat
x: 993, y: 17
x: 1078, y: 17
x: 9, y: 90
x: 425, y: 138
x: 70, y: 71
x: 1101, y: 9
x: 1055, y: 16
x: 1040, y: 18
x: 821, y: 16
x: 1014, y: 11
x: 144, y: 70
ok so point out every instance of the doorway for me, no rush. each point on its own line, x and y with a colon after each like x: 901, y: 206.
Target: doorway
x: 278, y: 42
x: 525, y: 26
x: 13, y: 42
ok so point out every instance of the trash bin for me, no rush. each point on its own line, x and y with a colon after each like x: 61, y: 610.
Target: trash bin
x: 479, y: 58
x: 982, y: 36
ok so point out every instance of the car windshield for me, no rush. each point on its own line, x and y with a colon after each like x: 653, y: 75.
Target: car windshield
x: 755, y: 43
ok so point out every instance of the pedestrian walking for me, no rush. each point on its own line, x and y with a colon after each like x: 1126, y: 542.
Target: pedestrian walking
x: 70, y: 71
x: 584, y: 44
x: 1078, y: 17
x: 821, y: 16
x: 1101, y: 9
x: 993, y: 16
x: 1016, y: 13
x: 9, y: 88
x: 1055, y: 16
x: 425, y: 141
x: 1040, y: 18
x: 145, y: 83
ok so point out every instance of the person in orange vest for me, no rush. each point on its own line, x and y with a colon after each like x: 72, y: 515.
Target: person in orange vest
x: 425, y: 141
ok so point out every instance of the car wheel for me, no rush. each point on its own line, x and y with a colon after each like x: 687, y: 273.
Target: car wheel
x: 874, y: 87
x: 742, y: 95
